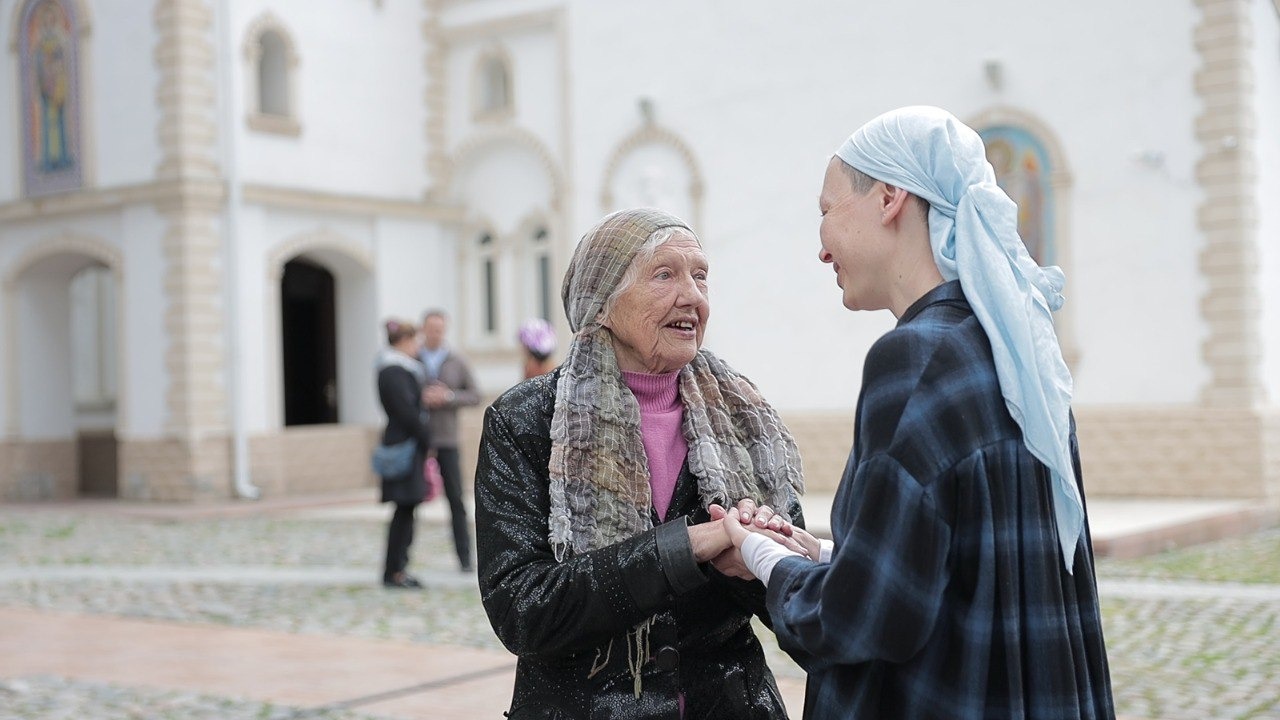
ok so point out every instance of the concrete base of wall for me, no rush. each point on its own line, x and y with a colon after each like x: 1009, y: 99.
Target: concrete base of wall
x: 1176, y: 451
x: 1182, y: 451
x: 37, y: 470
x: 295, y: 461
x: 313, y: 459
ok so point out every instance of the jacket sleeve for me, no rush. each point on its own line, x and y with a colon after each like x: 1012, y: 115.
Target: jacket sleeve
x: 544, y: 608
x: 750, y: 595
x: 465, y: 394
x: 879, y: 597
x: 399, y: 395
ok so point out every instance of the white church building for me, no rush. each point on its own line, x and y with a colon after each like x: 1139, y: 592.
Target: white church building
x: 207, y: 207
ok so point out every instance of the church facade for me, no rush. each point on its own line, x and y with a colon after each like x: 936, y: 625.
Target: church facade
x: 207, y: 207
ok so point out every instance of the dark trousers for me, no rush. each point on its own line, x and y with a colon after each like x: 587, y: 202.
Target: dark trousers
x: 399, y: 538
x: 451, y: 472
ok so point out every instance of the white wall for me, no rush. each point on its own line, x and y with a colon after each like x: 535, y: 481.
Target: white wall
x: 361, y: 83
x: 10, y: 120
x: 764, y: 103
x: 1266, y: 62
x: 46, y: 407
x: 142, y: 409
x: 121, y: 112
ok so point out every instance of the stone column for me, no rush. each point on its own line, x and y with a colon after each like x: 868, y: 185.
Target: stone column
x: 1228, y: 216
x: 192, y: 460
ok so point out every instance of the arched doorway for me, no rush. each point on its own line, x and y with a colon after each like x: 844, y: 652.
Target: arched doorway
x: 93, y: 374
x: 63, y: 316
x: 310, y: 347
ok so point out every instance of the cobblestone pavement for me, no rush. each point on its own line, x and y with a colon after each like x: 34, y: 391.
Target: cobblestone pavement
x: 1209, y: 650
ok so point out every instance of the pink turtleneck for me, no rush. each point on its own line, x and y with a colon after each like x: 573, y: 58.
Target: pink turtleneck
x: 661, y: 414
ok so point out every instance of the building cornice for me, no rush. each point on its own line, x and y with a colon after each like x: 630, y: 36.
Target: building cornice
x: 107, y: 199
x: 310, y: 200
x: 486, y: 29
x: 211, y: 195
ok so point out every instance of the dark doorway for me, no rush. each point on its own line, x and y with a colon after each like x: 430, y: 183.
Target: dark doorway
x: 309, y: 332
x: 98, y: 463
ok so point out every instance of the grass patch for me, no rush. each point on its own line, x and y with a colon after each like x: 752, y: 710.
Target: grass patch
x: 60, y: 532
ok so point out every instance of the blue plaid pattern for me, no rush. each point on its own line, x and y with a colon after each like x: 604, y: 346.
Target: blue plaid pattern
x: 946, y: 596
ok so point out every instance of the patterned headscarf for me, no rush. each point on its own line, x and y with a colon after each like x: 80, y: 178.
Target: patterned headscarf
x: 973, y: 229
x: 600, y: 494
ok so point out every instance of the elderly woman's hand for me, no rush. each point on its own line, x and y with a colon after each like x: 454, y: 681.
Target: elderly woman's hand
x: 708, y: 540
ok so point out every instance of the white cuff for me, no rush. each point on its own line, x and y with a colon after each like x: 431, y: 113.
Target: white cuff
x: 760, y: 554
x: 826, y: 549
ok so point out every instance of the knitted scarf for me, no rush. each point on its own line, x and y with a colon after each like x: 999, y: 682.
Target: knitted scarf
x: 600, y: 494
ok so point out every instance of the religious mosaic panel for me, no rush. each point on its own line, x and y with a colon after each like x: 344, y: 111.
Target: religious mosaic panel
x: 50, y: 97
x: 1022, y: 170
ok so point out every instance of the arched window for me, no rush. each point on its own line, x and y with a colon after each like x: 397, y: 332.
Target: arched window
x: 488, y: 284
x: 493, y: 96
x: 538, y: 269
x: 93, y: 337
x: 273, y: 76
x: 1023, y: 171
x: 272, y: 62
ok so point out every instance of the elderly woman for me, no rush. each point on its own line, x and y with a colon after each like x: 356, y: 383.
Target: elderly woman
x: 595, y: 488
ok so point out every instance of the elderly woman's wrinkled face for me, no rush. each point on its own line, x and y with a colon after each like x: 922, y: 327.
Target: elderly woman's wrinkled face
x: 658, y: 322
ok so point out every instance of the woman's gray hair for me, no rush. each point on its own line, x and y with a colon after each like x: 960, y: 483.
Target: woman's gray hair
x: 660, y: 237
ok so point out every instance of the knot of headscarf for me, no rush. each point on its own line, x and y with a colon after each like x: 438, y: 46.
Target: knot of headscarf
x: 600, y: 492
x: 973, y: 229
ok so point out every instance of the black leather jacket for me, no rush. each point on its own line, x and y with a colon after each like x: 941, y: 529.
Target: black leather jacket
x: 563, y: 619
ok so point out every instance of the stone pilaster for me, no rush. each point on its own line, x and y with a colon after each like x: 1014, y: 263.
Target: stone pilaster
x: 192, y: 460
x: 1228, y: 216
x: 434, y: 98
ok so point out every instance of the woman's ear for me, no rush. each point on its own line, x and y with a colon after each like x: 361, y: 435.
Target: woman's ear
x: 892, y: 201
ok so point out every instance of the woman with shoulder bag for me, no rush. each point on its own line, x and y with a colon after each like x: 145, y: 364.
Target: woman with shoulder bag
x: 400, y: 379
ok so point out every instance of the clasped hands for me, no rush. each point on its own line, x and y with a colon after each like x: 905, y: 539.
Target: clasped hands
x: 436, y: 395
x: 720, y: 540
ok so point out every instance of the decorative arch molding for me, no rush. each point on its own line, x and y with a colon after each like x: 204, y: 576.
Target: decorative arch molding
x: 1060, y: 182
x: 83, y: 18
x: 257, y: 118
x: 533, y: 220
x: 268, y: 22
x: 480, y: 109
x: 481, y: 141
x: 319, y: 239
x: 653, y: 134
x: 1007, y: 115
x: 353, y: 267
x: 66, y: 244
x: 472, y: 226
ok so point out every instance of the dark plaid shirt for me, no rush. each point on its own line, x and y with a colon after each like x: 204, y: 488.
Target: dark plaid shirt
x: 946, y: 596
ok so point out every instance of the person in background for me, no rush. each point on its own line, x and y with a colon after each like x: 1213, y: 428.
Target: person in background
x: 400, y: 379
x: 538, y: 340
x: 449, y: 387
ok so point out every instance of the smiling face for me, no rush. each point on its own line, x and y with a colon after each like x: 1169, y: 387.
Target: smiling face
x: 853, y: 239
x: 658, y: 322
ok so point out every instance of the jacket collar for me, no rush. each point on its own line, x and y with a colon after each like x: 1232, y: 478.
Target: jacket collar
x: 948, y: 293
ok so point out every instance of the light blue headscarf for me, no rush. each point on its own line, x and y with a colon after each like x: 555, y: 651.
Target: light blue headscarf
x: 973, y: 227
